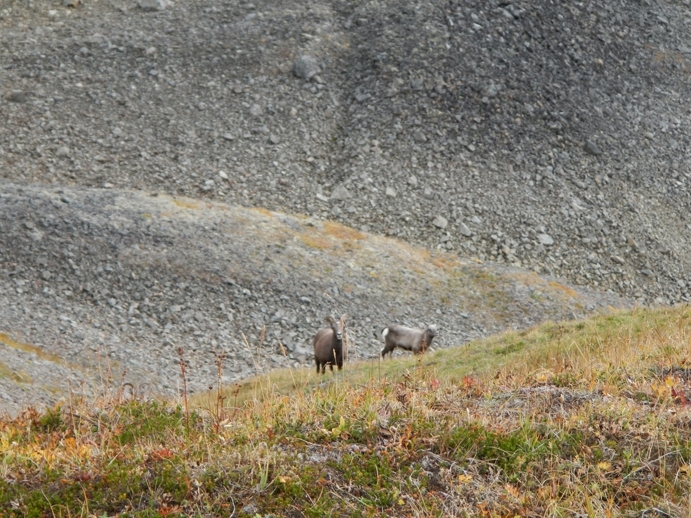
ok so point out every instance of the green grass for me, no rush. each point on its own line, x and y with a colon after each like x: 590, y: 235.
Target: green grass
x: 581, y: 418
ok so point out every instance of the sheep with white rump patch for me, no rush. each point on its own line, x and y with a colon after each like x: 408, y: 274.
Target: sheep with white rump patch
x: 409, y: 339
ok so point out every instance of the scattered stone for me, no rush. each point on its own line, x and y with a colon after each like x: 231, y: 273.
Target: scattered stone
x: 70, y: 3
x: 62, y: 152
x: 223, y: 175
x: 153, y: 5
x: 419, y: 137
x: 440, y: 222
x: 340, y: 193
x: 592, y: 148
x: 46, y: 275
x: 412, y: 181
x: 256, y: 110
x: 306, y: 67
x: 464, y: 230
x: 274, y: 139
x: 390, y: 191
x: 16, y: 97
x: 228, y: 136
x: 545, y: 239
x: 618, y: 260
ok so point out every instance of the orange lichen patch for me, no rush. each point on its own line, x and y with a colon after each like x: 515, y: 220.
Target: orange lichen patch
x: 186, y: 204
x: 342, y: 232
x: 17, y: 377
x: 263, y: 211
x: 446, y: 261
x: 30, y: 349
x: 318, y: 242
x: 528, y: 279
x: 563, y: 289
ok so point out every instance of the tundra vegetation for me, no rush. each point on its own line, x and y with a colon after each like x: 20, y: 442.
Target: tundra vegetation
x: 587, y: 418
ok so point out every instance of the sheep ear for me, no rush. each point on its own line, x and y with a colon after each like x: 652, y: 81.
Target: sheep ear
x: 329, y: 319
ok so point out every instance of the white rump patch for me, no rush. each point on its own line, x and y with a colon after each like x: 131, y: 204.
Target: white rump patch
x: 385, y: 332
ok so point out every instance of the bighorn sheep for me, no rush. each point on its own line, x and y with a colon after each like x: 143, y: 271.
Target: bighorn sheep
x: 328, y: 345
x: 415, y: 340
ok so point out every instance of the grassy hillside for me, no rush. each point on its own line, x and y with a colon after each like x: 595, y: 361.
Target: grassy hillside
x: 586, y: 418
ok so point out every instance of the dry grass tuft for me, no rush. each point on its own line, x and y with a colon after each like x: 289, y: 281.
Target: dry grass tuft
x: 582, y: 418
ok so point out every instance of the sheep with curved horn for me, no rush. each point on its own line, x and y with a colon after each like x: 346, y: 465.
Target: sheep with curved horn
x: 328, y: 345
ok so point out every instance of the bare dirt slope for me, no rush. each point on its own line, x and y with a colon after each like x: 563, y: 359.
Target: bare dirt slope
x: 99, y: 284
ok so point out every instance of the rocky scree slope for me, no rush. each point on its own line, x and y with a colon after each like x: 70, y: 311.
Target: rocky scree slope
x: 554, y: 135
x: 100, y: 287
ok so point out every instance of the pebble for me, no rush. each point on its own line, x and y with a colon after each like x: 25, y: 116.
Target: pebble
x: 274, y: 139
x: 152, y: 5
x: 412, y: 181
x: 592, y: 148
x: 419, y: 137
x: 340, y: 193
x: 440, y: 222
x: 62, y: 152
x: 390, y: 191
x: 306, y: 67
x: 545, y: 239
x: 16, y: 97
x: 223, y: 175
x: 464, y: 230
x: 256, y: 110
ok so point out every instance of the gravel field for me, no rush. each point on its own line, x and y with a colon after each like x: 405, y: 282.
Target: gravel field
x: 541, y: 136
x: 100, y: 287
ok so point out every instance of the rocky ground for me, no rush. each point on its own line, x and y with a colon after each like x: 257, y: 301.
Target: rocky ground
x: 550, y: 137
x: 554, y: 136
x: 101, y: 287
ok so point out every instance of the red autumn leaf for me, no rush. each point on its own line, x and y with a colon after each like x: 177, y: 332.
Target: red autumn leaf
x: 161, y: 454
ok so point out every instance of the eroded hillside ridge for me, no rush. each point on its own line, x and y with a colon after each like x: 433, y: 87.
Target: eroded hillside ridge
x: 100, y: 287
x: 553, y: 135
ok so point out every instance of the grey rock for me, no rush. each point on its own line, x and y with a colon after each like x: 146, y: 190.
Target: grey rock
x: 545, y: 239
x: 70, y: 3
x: 464, y: 230
x: 153, y: 5
x: 306, y: 67
x: 46, y: 275
x: 340, y: 193
x: 592, y: 148
x: 440, y: 222
x: 256, y: 110
x: 16, y: 97
x: 62, y: 152
x: 390, y: 191
x: 419, y: 136
x: 274, y: 139
x: 412, y: 181
x: 617, y: 259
